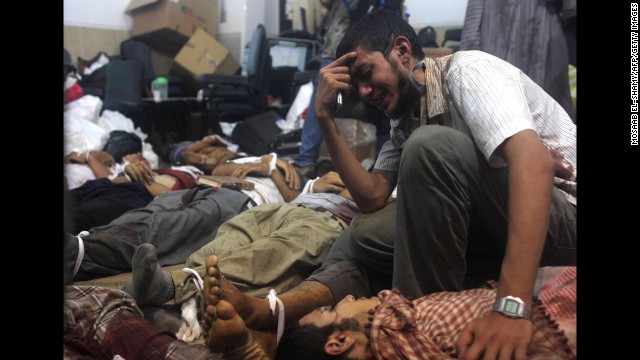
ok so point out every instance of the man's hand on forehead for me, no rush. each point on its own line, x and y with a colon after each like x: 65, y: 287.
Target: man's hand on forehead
x: 334, y: 78
x: 345, y: 59
x: 337, y: 73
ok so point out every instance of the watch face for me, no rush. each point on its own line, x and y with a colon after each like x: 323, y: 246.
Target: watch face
x: 511, y: 306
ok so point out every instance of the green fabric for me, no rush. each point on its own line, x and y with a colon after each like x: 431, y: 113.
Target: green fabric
x: 271, y: 246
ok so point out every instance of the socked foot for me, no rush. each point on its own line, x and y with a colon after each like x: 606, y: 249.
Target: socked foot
x: 150, y: 284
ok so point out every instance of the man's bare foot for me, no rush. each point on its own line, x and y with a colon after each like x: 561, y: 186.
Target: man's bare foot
x: 227, y: 330
x: 254, y: 311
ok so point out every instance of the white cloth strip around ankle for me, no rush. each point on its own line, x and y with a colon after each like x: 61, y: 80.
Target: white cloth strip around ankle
x: 273, y: 299
x: 76, y: 267
x: 198, y: 280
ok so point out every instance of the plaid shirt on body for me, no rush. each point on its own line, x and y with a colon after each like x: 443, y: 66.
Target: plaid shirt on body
x: 100, y: 323
x: 429, y: 327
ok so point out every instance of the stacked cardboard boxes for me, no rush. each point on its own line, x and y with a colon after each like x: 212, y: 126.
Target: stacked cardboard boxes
x: 202, y: 54
x: 166, y: 25
x: 184, y: 33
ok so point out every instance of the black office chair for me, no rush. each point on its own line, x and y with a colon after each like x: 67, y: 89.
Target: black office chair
x: 314, y: 55
x: 232, y: 98
x: 136, y: 49
x: 290, y: 55
x: 298, y: 34
x: 123, y: 88
x: 452, y: 35
x: 427, y: 37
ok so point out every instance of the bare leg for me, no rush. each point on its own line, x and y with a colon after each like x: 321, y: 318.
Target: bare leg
x: 303, y: 299
x: 298, y: 302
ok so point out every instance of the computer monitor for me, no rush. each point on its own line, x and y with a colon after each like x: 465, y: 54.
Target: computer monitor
x: 289, y: 53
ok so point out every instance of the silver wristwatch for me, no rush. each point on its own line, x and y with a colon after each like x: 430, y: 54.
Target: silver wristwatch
x: 512, y: 307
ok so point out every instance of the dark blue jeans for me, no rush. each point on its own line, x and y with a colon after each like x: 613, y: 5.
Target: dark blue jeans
x: 312, y: 136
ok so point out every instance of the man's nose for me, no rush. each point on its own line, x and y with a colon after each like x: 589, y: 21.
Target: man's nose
x: 364, y: 91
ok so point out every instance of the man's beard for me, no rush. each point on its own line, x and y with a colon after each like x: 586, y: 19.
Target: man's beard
x: 350, y: 324
x: 408, y: 96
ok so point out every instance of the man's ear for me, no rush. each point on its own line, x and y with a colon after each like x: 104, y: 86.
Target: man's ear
x: 402, y: 47
x: 338, y: 343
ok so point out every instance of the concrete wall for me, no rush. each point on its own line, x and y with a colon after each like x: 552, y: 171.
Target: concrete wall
x: 86, y: 42
x: 93, y: 26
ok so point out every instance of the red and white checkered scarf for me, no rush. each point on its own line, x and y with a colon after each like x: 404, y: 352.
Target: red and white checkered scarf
x: 429, y: 327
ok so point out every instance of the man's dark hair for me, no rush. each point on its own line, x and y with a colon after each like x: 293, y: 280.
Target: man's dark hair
x: 376, y: 32
x: 307, y: 341
x: 122, y: 143
x: 304, y: 342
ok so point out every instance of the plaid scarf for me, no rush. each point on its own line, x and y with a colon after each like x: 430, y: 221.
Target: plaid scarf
x: 429, y: 327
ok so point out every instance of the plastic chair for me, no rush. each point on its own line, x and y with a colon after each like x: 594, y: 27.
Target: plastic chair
x: 427, y: 37
x: 232, y: 98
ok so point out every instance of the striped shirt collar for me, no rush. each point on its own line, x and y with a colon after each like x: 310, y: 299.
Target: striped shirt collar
x: 433, y: 77
x: 435, y: 100
x: 436, y: 103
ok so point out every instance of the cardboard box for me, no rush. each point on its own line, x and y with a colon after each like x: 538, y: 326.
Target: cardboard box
x: 433, y: 53
x: 166, y: 25
x: 203, y: 54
